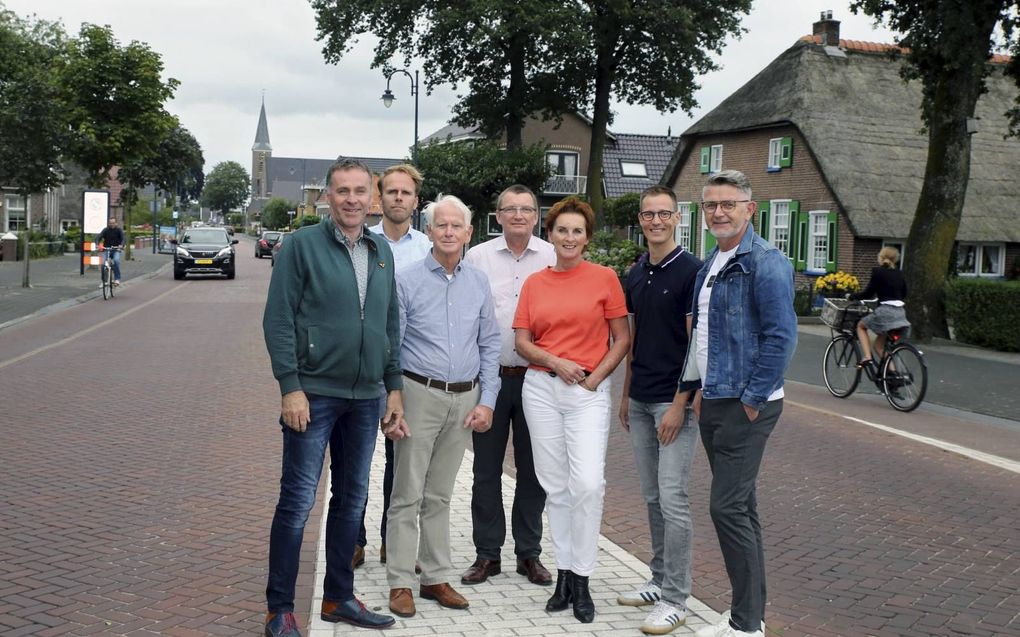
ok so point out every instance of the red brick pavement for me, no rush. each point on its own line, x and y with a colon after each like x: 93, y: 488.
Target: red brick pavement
x: 137, y: 488
x: 866, y: 533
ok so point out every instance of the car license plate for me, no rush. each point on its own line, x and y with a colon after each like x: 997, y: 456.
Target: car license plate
x: 203, y: 261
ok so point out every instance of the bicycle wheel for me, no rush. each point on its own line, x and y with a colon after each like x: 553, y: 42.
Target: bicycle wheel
x: 112, y: 280
x: 905, y: 377
x: 840, y: 366
x: 107, y: 282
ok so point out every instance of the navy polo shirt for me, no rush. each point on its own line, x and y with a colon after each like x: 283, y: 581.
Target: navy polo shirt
x: 659, y: 297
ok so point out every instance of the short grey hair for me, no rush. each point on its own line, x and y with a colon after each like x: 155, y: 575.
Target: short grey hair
x: 429, y: 211
x: 733, y: 178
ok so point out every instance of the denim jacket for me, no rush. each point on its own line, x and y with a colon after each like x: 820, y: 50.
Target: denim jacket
x: 752, y: 329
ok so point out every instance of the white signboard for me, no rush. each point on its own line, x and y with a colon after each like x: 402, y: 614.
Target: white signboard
x: 96, y: 210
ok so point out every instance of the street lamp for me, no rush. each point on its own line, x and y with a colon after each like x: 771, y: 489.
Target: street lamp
x: 388, y: 97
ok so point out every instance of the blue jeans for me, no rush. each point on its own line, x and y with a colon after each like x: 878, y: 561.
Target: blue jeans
x: 115, y: 255
x: 664, y: 474
x: 348, y: 426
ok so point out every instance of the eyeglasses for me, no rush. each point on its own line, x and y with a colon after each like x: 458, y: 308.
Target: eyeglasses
x: 512, y: 210
x: 648, y: 215
x: 727, y: 206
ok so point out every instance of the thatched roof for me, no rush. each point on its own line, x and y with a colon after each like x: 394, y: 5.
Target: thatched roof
x: 862, y: 124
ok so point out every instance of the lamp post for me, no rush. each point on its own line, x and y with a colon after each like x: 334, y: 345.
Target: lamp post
x: 388, y: 97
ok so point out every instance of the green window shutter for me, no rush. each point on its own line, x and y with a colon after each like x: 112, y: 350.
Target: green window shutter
x: 799, y: 240
x: 695, y: 224
x: 763, y: 219
x: 706, y: 158
x: 794, y: 227
x: 830, y: 259
x: 709, y: 241
x: 786, y: 152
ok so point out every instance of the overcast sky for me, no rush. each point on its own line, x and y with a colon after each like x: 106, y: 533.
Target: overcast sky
x: 226, y: 52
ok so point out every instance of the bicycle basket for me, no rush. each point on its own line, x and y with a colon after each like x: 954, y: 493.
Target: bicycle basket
x: 841, y: 314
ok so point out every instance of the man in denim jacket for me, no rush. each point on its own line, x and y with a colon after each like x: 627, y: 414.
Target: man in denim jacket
x: 745, y: 332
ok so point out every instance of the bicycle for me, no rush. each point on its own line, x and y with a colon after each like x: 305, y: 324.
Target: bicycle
x: 901, y: 375
x: 107, y: 272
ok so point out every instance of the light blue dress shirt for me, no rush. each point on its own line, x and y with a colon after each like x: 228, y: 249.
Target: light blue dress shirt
x: 448, y: 327
x: 408, y: 249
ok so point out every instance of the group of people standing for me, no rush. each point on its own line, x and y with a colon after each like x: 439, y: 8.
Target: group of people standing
x: 517, y: 339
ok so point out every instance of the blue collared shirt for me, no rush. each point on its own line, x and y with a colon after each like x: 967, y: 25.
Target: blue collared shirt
x: 408, y: 249
x: 448, y: 327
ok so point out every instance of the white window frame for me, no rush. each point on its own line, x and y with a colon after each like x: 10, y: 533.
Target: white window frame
x: 633, y: 168
x: 775, y: 152
x: 682, y: 233
x: 67, y: 224
x: 979, y: 258
x: 715, y: 159
x: 818, y: 241
x: 773, y: 238
x: 10, y: 197
x: 493, y: 228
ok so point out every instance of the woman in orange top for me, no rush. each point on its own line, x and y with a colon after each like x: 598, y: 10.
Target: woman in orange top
x: 565, y: 318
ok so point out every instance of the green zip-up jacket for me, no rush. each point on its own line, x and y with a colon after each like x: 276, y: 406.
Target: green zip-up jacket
x: 317, y: 339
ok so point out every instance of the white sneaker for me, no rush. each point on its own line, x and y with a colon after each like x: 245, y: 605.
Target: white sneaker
x: 723, y: 629
x: 644, y: 596
x: 663, y: 619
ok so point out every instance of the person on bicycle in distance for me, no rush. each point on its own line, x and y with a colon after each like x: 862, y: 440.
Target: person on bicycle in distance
x: 113, y: 237
x: 890, y: 287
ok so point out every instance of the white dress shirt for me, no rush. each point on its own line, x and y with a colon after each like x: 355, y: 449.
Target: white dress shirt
x: 408, y: 249
x: 507, y: 274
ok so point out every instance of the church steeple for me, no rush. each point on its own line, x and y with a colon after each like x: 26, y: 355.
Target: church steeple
x: 262, y: 134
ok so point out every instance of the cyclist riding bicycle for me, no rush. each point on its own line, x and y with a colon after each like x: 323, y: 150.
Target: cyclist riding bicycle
x: 113, y: 236
x: 890, y: 287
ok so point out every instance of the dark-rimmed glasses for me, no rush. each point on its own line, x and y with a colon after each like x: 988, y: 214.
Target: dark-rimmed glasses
x: 648, y: 215
x: 727, y: 206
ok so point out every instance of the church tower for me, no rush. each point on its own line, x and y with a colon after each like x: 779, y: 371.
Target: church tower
x: 261, y: 151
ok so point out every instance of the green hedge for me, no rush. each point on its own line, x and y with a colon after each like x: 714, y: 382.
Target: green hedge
x: 985, y: 313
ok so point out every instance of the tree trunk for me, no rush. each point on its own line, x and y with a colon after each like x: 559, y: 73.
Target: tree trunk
x: 605, y: 73
x: 516, y: 93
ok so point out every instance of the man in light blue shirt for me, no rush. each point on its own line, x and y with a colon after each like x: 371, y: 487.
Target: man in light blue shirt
x: 450, y: 346
x: 398, y: 191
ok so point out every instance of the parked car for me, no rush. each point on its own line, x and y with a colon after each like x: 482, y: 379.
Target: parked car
x: 204, y: 251
x: 264, y: 246
x: 276, y: 248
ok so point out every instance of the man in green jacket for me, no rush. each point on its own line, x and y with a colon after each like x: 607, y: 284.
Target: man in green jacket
x: 332, y: 328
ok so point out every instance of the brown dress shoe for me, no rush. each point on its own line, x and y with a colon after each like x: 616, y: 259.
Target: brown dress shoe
x: 480, y: 571
x: 402, y: 602
x: 537, y: 574
x: 359, y: 556
x: 445, y: 595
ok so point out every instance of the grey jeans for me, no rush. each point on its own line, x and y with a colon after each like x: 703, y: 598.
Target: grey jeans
x: 664, y: 473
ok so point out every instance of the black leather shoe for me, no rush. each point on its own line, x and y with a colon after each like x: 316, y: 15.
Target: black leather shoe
x: 281, y: 625
x: 536, y: 573
x: 584, y: 608
x: 353, y: 612
x: 480, y: 571
x: 561, y: 594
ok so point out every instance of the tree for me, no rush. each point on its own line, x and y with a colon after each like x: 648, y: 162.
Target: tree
x: 171, y: 168
x: 947, y: 46
x: 622, y: 212
x: 309, y: 220
x: 226, y: 186
x: 274, y: 213
x: 478, y: 171
x: 647, y: 52
x: 114, y: 97
x: 515, y: 54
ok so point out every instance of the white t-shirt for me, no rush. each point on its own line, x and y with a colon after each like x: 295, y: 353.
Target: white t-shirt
x: 704, y: 296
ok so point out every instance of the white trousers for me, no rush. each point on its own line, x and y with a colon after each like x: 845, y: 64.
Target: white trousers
x: 569, y: 428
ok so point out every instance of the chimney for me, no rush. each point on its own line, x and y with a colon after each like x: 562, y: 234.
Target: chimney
x: 827, y: 28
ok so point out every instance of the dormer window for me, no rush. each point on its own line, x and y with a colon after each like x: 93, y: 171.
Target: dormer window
x: 633, y: 169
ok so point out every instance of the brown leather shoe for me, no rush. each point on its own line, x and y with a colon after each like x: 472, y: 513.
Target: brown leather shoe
x: 445, y: 595
x: 382, y: 553
x: 537, y: 574
x: 402, y: 602
x: 359, y: 556
x: 480, y: 571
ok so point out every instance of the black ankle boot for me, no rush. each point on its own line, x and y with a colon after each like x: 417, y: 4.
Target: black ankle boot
x: 584, y: 608
x: 561, y: 595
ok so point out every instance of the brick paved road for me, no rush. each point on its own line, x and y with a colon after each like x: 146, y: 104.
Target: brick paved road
x: 144, y: 510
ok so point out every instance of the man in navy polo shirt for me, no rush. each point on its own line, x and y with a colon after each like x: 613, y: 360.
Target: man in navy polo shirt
x: 654, y: 408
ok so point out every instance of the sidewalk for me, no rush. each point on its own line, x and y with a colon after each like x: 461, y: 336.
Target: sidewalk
x: 507, y: 604
x: 56, y: 283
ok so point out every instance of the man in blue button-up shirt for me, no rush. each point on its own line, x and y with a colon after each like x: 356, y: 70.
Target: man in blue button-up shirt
x: 450, y: 356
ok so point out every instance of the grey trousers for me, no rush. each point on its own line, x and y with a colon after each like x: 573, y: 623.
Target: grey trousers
x: 425, y: 469
x: 735, y: 447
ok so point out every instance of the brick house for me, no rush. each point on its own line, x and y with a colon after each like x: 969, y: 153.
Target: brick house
x: 57, y: 209
x: 630, y: 163
x: 831, y: 138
